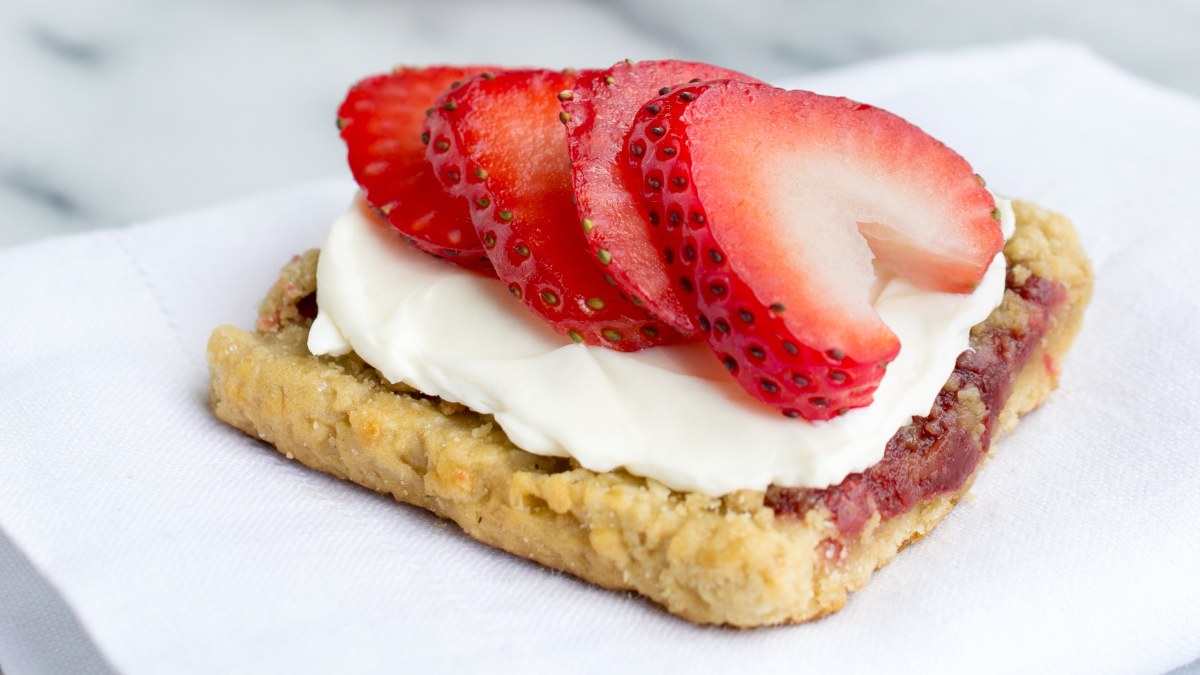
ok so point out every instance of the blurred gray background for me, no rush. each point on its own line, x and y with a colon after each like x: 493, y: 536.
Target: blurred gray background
x: 121, y: 110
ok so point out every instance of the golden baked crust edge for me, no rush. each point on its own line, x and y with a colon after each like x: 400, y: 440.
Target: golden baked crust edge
x: 725, y: 560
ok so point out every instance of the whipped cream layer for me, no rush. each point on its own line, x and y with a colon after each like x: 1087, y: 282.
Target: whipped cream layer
x: 669, y: 413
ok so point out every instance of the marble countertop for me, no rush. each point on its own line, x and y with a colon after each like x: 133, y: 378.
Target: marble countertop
x: 123, y: 110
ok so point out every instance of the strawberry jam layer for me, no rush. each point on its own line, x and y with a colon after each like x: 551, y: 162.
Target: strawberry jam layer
x: 936, y: 454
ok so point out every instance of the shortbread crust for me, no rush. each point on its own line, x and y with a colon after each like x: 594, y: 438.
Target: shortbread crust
x: 730, y: 560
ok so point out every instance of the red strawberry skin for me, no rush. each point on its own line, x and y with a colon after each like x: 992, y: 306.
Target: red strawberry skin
x: 599, y: 112
x: 762, y: 198
x: 380, y: 121
x: 497, y: 143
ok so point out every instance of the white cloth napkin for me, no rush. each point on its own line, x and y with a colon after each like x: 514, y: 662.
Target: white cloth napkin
x: 185, y: 547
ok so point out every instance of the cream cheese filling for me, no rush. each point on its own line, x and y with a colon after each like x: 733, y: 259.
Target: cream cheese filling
x: 672, y: 414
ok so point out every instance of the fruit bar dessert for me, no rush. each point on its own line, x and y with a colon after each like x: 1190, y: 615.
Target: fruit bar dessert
x: 662, y: 326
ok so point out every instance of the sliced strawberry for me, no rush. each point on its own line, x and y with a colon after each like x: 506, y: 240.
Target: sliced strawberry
x: 497, y: 142
x: 380, y: 122
x: 772, y: 204
x: 599, y: 111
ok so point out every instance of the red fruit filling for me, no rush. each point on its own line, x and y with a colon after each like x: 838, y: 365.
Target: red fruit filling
x: 936, y: 454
